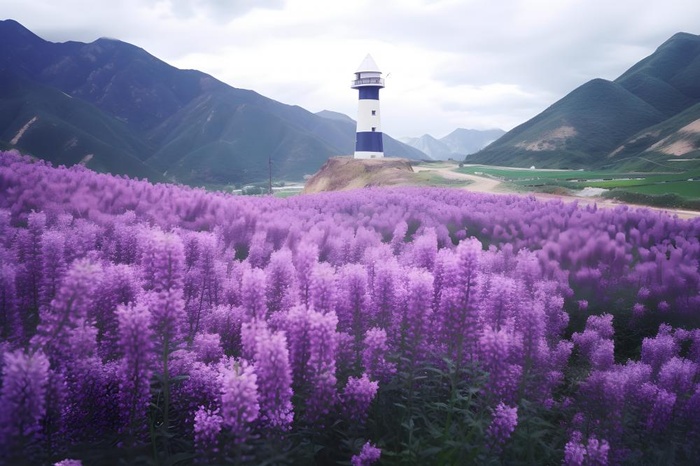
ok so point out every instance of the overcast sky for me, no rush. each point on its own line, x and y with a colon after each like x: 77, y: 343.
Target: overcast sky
x: 449, y: 63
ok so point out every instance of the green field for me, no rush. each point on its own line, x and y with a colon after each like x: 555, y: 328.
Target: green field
x: 689, y: 189
x: 682, y: 185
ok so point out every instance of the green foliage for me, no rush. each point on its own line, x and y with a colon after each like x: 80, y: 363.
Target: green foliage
x: 435, y: 415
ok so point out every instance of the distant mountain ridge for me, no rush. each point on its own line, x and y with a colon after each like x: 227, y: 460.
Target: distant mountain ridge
x: 456, y: 145
x: 645, y: 119
x: 114, y: 107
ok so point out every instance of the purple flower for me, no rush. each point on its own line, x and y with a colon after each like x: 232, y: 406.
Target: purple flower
x: 424, y: 250
x: 323, y: 344
x: 207, y: 347
x: 280, y: 282
x: 53, y: 264
x: 162, y: 260
x: 201, y: 387
x: 500, y: 301
x: 23, y: 396
x: 597, y: 451
x: 119, y: 286
x: 659, y: 416
x: 10, y: 322
x: 574, y: 451
x: 505, y: 419
x: 369, y: 455
x: 259, y: 249
x: 410, y: 326
x: 322, y: 286
x: 162, y: 263
x: 603, y: 355
x: 136, y: 366
x: 253, y: 297
x: 207, y: 427
x: 353, y: 301
x: 385, y: 292
x: 357, y: 396
x: 677, y: 375
x: 274, y: 378
x: 658, y: 350
x: 595, y: 342
x: 70, y: 307
x: 374, y: 355
x: 239, y: 397
x: 69, y: 462
x: 497, y: 351
x: 306, y: 256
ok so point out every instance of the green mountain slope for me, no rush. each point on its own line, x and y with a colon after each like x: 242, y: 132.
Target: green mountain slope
x: 668, y: 79
x: 673, y: 143
x: 602, y: 122
x: 39, y: 120
x: 575, y: 132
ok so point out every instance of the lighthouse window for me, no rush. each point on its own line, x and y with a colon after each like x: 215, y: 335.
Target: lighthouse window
x: 374, y: 128
x: 374, y: 112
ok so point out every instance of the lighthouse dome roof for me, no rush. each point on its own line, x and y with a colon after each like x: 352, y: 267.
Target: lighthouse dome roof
x: 368, y: 65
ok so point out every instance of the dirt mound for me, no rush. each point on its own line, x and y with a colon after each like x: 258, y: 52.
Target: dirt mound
x: 343, y: 173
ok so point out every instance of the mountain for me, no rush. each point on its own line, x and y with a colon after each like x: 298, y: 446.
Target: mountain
x: 43, y: 120
x: 468, y: 141
x: 456, y: 145
x: 629, y: 121
x: 114, y: 107
x: 433, y: 148
x: 335, y: 116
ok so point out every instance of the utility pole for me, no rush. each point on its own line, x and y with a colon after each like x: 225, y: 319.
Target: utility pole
x: 269, y: 163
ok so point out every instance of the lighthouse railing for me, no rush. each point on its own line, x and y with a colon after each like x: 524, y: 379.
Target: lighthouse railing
x: 368, y: 81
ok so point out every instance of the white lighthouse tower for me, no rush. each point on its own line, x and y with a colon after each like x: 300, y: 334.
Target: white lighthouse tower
x: 368, y: 140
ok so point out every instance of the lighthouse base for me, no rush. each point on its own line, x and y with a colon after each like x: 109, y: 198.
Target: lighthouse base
x: 368, y: 155
x: 343, y: 173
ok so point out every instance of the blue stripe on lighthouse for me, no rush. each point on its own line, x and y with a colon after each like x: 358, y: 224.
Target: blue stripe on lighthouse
x: 370, y: 141
x: 370, y: 92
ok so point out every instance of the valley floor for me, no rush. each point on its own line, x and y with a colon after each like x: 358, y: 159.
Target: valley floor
x: 487, y: 184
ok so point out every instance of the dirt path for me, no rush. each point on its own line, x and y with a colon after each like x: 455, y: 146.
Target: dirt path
x: 485, y: 184
x: 479, y: 184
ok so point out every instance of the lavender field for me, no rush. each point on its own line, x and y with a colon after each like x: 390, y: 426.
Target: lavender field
x: 158, y: 324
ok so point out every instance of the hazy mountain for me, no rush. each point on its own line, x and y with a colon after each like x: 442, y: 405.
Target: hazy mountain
x: 456, y: 145
x: 468, y: 141
x: 116, y: 108
x: 433, y: 148
x: 335, y: 116
x: 613, y: 122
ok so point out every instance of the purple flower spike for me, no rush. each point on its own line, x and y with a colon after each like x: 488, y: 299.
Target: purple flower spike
x: 239, y: 398
x: 369, y: 455
x: 207, y: 426
x: 357, y: 396
x: 23, y: 396
x: 574, y: 451
x: 504, y: 421
x: 68, y: 309
x: 253, y: 293
x: 373, y: 355
x: 136, y: 367
x: 274, y: 378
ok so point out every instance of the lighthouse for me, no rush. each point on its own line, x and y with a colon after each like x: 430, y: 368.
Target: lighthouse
x: 368, y: 139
